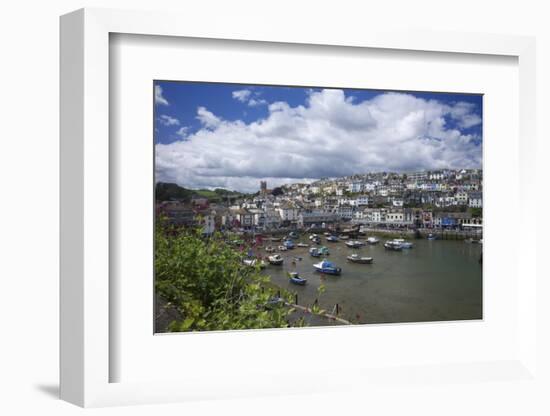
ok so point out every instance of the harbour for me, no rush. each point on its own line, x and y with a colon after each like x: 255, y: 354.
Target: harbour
x: 434, y: 280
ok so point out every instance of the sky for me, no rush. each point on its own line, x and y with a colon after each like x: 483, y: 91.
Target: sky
x: 216, y: 135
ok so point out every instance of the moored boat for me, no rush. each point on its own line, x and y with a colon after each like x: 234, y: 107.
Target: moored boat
x: 324, y: 251
x: 302, y: 245
x: 355, y: 244
x: 332, y: 239
x: 355, y: 258
x: 282, y: 248
x: 431, y: 237
x: 270, y: 249
x: 393, y: 245
x: 289, y: 244
x: 327, y: 267
x: 404, y: 243
x: 254, y: 263
x: 275, y: 259
x: 373, y: 240
x: 314, y: 252
x: 295, y: 278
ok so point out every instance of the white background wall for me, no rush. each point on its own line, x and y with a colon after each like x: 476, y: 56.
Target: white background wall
x: 29, y: 205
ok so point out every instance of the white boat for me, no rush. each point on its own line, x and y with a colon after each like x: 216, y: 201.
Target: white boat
x: 355, y: 244
x: 327, y: 267
x: 393, y: 245
x: 254, y: 262
x: 282, y: 248
x: 249, y: 262
x: 404, y: 243
x: 269, y: 249
x: 302, y: 245
x: 275, y: 259
x: 373, y: 240
x: 354, y: 258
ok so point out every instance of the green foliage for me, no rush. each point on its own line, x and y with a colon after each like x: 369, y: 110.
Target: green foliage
x: 476, y: 212
x: 205, y: 280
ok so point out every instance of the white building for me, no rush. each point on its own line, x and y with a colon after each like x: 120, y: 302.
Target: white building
x: 362, y: 200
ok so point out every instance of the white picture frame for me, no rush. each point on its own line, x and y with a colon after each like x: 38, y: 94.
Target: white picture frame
x: 85, y: 211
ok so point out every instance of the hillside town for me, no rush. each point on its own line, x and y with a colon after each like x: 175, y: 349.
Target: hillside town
x: 439, y: 199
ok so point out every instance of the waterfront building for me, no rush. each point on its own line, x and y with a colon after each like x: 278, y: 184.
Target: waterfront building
x: 475, y: 200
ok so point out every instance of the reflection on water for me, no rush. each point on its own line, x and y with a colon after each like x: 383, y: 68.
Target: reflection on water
x: 434, y: 281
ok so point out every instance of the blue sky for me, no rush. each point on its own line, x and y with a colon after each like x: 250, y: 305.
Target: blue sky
x: 233, y: 135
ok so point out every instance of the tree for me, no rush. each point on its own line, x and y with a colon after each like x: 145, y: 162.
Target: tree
x: 277, y: 191
x: 206, y: 283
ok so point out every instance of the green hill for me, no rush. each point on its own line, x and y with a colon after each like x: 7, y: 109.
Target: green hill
x: 171, y: 191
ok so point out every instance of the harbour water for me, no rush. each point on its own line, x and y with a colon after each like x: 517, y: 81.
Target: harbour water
x: 434, y: 281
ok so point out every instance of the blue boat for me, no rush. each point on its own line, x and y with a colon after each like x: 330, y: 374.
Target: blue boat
x: 289, y: 244
x: 296, y: 279
x: 332, y: 239
x: 327, y: 267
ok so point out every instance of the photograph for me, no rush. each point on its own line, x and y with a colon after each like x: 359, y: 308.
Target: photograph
x: 285, y: 206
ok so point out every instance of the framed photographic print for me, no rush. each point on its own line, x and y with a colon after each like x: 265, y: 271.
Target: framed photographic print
x: 327, y: 206
x: 263, y: 203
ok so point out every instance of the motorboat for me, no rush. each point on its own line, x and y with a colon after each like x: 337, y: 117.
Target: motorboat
x: 249, y: 262
x: 282, y: 248
x: 332, y: 239
x: 302, y: 245
x: 327, y: 267
x: 393, y: 245
x: 275, y: 259
x: 295, y: 278
x: 431, y: 237
x: 355, y: 258
x: 254, y: 263
x: 372, y: 240
x: 270, y: 249
x: 289, y: 244
x: 324, y: 251
x: 314, y: 252
x: 404, y: 243
x: 354, y: 244
x: 344, y: 237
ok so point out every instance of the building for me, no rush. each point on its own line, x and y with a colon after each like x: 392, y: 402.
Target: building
x: 316, y: 218
x: 475, y: 200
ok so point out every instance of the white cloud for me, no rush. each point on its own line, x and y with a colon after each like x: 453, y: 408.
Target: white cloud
x: 168, y: 121
x: 182, y: 132
x: 253, y: 102
x: 159, y: 99
x: 207, y: 118
x: 241, y: 95
x: 330, y: 135
x: 248, y: 97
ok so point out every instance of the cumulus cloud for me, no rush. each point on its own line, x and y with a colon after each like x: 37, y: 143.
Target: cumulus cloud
x: 330, y: 135
x: 248, y: 97
x: 208, y: 119
x: 241, y: 95
x: 168, y: 121
x: 182, y: 132
x: 159, y: 99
